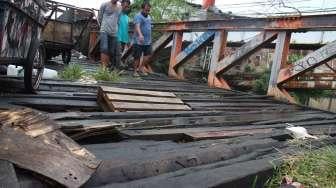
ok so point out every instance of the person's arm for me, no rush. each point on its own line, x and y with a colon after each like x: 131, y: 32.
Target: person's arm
x: 137, y: 21
x: 101, y: 13
x: 139, y: 33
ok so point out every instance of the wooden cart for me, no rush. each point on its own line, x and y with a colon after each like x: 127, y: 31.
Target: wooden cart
x: 66, y: 29
x: 21, y: 24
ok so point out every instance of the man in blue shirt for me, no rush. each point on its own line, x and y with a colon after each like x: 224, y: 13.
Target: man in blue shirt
x: 142, y: 39
x: 123, y: 35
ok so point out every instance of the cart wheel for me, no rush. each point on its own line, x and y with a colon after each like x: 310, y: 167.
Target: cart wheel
x: 66, y: 57
x: 34, y: 68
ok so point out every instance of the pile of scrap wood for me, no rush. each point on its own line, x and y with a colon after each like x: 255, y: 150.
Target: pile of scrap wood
x: 30, y: 140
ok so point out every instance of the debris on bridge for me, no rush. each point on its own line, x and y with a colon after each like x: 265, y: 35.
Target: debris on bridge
x: 161, y: 130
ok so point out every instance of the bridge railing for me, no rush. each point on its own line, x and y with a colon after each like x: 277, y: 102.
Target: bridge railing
x: 280, y: 29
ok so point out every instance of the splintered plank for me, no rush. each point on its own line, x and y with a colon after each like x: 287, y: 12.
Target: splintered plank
x: 8, y: 175
x: 146, y: 106
x: 136, y: 92
x: 134, y: 98
x: 30, y: 140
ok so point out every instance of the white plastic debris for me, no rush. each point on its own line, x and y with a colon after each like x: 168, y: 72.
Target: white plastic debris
x: 49, y: 74
x: 299, y: 132
x: 82, y: 57
x: 13, y: 70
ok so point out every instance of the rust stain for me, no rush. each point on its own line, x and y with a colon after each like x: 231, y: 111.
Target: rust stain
x: 293, y: 23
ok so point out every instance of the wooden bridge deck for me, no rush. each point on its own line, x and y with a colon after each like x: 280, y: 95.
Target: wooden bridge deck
x: 225, y: 141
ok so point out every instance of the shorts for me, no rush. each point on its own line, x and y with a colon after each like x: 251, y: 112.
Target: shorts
x: 138, y: 50
x: 110, y: 46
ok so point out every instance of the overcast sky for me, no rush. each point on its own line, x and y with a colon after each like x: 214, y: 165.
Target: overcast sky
x: 241, y: 6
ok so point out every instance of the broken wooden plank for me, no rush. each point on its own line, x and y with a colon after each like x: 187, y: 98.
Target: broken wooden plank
x: 51, y: 154
x: 8, y: 175
x: 140, y: 163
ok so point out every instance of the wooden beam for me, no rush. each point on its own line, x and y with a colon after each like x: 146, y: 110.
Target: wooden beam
x: 308, y: 63
x: 137, y: 92
x: 280, y: 61
x: 176, y: 49
x: 246, y: 50
x: 218, y: 51
x: 50, y: 154
x: 144, y: 99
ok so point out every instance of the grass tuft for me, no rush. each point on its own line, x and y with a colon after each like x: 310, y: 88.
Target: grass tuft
x: 104, y: 74
x: 312, y: 169
x: 72, y: 72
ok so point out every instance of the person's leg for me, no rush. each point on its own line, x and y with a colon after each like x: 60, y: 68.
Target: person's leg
x: 122, y: 47
x: 137, y: 52
x: 117, y: 53
x: 147, y: 50
x: 104, y: 49
x: 113, y: 53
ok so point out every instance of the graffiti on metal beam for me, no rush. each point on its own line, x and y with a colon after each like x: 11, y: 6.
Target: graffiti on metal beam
x: 314, y: 59
x: 309, y: 62
x: 196, y: 45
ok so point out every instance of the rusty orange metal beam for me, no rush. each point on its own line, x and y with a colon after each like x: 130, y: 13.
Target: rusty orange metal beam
x: 279, y: 61
x: 328, y: 85
x: 208, y: 3
x: 298, y: 23
x: 246, y: 50
x: 176, y: 49
x: 218, y: 52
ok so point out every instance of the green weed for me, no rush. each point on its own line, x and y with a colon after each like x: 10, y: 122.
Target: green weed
x: 72, y: 72
x: 104, y: 74
x: 312, y: 169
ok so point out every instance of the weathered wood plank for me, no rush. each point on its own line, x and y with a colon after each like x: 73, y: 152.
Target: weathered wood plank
x: 144, y: 106
x: 226, y: 134
x: 163, y: 162
x: 134, y: 98
x: 136, y: 92
x: 236, y: 175
x: 52, y: 154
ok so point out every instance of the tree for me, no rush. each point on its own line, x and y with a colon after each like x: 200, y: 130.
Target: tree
x: 165, y: 10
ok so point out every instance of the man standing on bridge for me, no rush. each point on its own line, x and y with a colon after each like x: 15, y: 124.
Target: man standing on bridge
x: 109, y: 45
x: 142, y: 39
